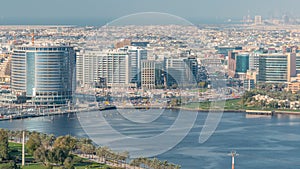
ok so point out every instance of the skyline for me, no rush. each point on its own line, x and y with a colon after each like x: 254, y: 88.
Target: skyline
x: 93, y: 12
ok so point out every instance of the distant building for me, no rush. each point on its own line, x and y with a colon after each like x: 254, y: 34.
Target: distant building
x: 286, y: 19
x: 298, y: 61
x: 211, y: 61
x: 5, y: 68
x: 114, y: 66
x: 249, y: 84
x: 137, y: 55
x: 238, y: 64
x: 122, y: 43
x: 252, y: 74
x: 258, y: 20
x: 254, y: 59
x: 294, y: 86
x: 87, y: 65
x: 277, y: 68
x: 79, y: 69
x: 46, y: 74
x: 120, y: 66
x: 225, y: 49
x: 140, y: 44
x: 181, y: 70
x: 151, y: 74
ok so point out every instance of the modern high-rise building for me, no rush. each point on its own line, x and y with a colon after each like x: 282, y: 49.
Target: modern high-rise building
x: 258, y: 20
x: 254, y: 60
x: 181, y: 71
x: 45, y: 73
x: 79, y: 69
x: 277, y: 68
x: 151, y: 74
x: 238, y: 64
x: 298, y: 61
x: 120, y: 66
x: 137, y: 55
x: 87, y: 63
x: 114, y: 66
x: 242, y: 63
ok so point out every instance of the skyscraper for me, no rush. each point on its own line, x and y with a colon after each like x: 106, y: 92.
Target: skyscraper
x: 277, y: 68
x: 114, y: 66
x: 238, y: 64
x: 258, y: 20
x: 181, y: 70
x: 45, y: 73
x: 90, y: 62
x: 151, y: 74
x: 254, y: 60
x: 137, y: 55
x: 298, y: 61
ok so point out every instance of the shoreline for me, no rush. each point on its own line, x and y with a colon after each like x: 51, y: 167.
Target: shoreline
x: 275, y: 112
x: 25, y: 116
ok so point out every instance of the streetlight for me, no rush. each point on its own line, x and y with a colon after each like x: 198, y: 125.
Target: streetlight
x: 23, y: 148
x: 232, y: 154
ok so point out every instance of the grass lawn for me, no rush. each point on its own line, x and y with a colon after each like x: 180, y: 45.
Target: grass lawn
x: 234, y: 104
x: 77, y: 166
x: 15, y: 149
x: 80, y: 163
x: 198, y: 90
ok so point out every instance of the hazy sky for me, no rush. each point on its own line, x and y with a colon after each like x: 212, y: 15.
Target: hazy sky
x: 68, y: 11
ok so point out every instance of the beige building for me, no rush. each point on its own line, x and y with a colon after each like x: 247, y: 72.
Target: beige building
x: 151, y: 74
x: 294, y: 86
x: 5, y: 68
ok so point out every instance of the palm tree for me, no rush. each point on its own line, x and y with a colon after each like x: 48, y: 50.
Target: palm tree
x: 11, y: 134
x: 177, y: 166
x: 155, y: 163
x: 103, y: 152
x: 135, y: 163
x: 124, y: 155
x: 165, y: 164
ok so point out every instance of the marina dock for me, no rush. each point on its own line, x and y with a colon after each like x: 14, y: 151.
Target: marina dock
x: 260, y: 112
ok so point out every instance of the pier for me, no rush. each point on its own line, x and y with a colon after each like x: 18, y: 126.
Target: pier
x: 260, y: 112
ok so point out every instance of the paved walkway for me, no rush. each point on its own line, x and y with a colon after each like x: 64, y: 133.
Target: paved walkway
x: 96, y: 159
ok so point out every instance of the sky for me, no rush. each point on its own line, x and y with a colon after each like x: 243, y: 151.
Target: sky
x: 89, y: 11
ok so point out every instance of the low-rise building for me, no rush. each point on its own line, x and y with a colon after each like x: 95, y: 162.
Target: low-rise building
x: 294, y: 86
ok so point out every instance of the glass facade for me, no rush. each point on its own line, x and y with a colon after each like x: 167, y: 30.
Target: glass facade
x: 242, y: 63
x: 273, y: 68
x: 46, y: 74
x: 115, y: 68
x: 298, y: 61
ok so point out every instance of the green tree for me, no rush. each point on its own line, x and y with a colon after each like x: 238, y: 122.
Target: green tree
x: 34, y: 142
x: 202, y: 84
x: 175, y: 102
x: 60, y: 155
x: 103, y: 153
x: 69, y: 163
x: 9, y: 165
x: 65, y: 142
x: 3, y: 145
x: 41, y: 155
x: 87, y: 149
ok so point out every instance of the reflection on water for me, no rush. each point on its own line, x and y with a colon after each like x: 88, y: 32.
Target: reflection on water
x: 272, y: 142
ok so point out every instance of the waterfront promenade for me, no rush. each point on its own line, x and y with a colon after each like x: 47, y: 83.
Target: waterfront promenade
x: 52, y: 112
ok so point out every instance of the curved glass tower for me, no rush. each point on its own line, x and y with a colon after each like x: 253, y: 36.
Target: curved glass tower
x: 45, y: 74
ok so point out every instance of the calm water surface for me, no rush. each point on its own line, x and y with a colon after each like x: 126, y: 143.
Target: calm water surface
x: 272, y: 142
